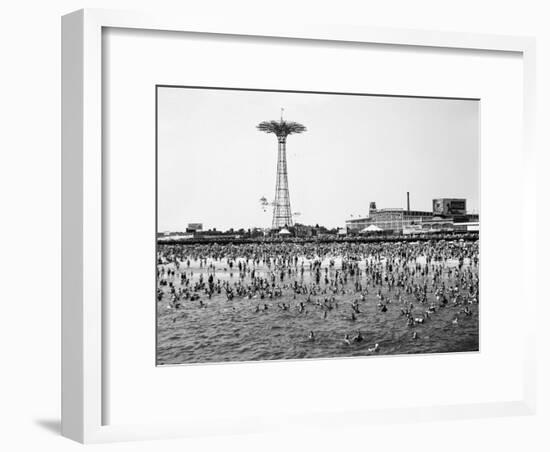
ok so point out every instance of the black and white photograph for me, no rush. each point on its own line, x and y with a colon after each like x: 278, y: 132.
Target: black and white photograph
x: 293, y: 226
x: 298, y: 225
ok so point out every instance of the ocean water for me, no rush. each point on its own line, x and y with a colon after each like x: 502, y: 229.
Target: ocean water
x: 223, y: 330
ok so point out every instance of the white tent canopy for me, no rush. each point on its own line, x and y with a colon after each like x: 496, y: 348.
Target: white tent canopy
x: 371, y: 228
x: 284, y: 231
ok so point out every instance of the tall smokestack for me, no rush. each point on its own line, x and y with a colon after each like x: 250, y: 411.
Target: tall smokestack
x: 408, y: 202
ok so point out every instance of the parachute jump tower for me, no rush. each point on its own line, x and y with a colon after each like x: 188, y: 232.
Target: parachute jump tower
x: 282, y: 215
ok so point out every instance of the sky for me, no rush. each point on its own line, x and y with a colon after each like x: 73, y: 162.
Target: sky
x: 214, y: 166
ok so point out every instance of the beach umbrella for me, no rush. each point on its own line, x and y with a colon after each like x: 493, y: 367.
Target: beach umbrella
x: 371, y: 228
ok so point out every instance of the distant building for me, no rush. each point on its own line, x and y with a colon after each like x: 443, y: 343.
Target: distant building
x: 194, y: 227
x: 446, y: 213
x: 449, y: 207
x: 390, y: 220
x: 455, y: 209
x: 470, y: 226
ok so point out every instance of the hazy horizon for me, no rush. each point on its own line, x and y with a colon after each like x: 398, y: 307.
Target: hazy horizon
x: 214, y: 166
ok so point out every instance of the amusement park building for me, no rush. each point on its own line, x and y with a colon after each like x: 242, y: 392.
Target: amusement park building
x: 399, y: 221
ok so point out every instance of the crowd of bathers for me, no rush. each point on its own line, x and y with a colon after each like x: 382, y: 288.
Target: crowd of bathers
x: 416, y: 278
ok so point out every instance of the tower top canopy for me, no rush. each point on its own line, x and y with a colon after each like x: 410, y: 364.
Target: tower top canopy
x: 281, y: 128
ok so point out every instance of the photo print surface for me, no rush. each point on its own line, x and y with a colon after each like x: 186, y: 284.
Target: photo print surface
x: 298, y: 225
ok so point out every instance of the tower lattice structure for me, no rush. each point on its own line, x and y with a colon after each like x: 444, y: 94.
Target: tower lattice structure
x: 282, y: 214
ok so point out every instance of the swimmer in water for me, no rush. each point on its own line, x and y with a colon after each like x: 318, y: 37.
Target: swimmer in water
x: 374, y: 349
x: 311, y: 336
x: 346, y: 340
x: 358, y: 338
